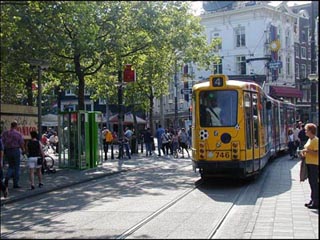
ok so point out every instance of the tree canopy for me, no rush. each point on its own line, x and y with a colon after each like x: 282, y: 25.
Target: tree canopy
x: 87, y: 43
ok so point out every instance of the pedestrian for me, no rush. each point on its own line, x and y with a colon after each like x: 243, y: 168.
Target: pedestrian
x: 159, y: 133
x: 291, y: 146
x: 302, y: 136
x: 175, y: 144
x: 166, y: 142
x: 56, y: 142
x: 310, y: 153
x: 34, y: 152
x: 52, y: 141
x: 107, y: 141
x: 4, y: 189
x: 147, y: 137
x: 296, y: 138
x: 183, y: 141
x: 44, y: 139
x: 13, y: 147
x: 189, y: 136
x: 126, y: 141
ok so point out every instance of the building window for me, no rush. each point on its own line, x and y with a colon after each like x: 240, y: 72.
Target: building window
x: 303, y: 52
x: 297, y: 71
x: 88, y: 107
x: 297, y: 53
x: 215, y: 37
x: 303, y: 71
x: 70, y: 92
x: 86, y: 92
x: 102, y: 101
x: 308, y: 69
x: 241, y: 65
x: 303, y: 36
x: 288, y: 39
x: 240, y: 37
x: 288, y: 66
x: 217, y: 68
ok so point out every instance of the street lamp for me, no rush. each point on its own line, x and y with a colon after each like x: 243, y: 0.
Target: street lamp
x: 313, y: 113
x: 41, y: 65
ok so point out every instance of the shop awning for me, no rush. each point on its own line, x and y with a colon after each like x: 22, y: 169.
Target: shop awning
x: 285, y: 92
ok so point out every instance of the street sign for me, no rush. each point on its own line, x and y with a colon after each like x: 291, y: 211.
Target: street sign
x: 186, y: 91
x: 275, y: 65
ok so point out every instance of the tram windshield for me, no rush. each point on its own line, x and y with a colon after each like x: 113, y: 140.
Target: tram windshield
x: 218, y: 108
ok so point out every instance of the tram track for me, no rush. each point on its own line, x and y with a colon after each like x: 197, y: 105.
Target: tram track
x: 153, y: 216
x: 89, y: 184
x: 249, y: 189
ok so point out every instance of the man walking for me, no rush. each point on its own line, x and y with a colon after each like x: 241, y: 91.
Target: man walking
x: 13, y: 142
x: 159, y: 133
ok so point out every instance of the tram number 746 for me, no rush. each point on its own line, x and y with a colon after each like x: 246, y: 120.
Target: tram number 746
x: 222, y: 155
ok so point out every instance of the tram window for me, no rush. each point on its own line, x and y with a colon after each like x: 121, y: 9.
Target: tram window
x: 218, y: 108
x: 248, y: 116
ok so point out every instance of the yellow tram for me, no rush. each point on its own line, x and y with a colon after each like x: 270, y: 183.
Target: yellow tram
x: 236, y: 127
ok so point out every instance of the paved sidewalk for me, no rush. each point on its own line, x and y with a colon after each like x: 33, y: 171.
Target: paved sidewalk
x: 65, y: 177
x: 278, y: 213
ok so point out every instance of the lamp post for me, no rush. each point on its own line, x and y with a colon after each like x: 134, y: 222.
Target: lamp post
x: 313, y: 113
x: 313, y: 77
x: 120, y: 109
x: 175, y: 97
x: 41, y: 65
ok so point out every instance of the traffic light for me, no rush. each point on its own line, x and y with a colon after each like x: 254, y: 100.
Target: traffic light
x: 128, y: 74
x: 186, y: 88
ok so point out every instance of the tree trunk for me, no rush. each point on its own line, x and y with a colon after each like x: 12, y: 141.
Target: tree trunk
x: 80, y: 76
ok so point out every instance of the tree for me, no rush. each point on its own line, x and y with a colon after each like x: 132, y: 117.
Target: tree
x: 88, y: 43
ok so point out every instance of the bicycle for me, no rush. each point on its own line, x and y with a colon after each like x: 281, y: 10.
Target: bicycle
x: 47, y: 165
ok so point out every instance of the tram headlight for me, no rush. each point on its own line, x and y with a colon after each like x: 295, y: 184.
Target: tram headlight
x: 210, y: 154
x: 235, y: 150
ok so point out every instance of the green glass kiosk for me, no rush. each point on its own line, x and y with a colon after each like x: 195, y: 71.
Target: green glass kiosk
x: 80, y: 142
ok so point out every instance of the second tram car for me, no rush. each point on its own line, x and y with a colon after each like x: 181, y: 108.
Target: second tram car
x: 236, y: 127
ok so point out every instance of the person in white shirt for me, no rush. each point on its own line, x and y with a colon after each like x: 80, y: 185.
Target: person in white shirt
x: 214, y: 112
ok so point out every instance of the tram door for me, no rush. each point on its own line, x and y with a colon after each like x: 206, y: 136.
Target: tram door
x: 252, y: 131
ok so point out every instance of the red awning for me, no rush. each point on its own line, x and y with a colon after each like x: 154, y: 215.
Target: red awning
x: 285, y: 92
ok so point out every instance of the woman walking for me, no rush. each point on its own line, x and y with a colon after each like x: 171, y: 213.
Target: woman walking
x: 310, y: 153
x: 34, y: 153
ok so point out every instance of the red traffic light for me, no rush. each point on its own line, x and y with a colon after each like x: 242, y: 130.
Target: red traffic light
x: 128, y: 74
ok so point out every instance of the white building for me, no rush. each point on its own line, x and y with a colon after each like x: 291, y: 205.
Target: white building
x: 257, y: 43
x: 251, y: 35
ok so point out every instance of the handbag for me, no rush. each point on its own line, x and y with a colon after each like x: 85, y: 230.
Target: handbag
x: 303, y: 170
x: 40, y: 160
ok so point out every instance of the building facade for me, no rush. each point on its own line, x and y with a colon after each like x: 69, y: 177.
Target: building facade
x: 266, y: 44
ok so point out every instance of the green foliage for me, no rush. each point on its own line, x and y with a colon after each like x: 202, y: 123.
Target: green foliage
x: 87, y: 43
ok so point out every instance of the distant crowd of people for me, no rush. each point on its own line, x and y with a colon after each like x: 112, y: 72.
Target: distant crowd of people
x: 171, y: 141
x: 297, y: 138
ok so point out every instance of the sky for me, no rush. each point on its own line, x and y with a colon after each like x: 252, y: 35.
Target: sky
x: 197, y: 5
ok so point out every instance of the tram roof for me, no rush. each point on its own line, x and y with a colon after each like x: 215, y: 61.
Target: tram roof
x: 231, y: 83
